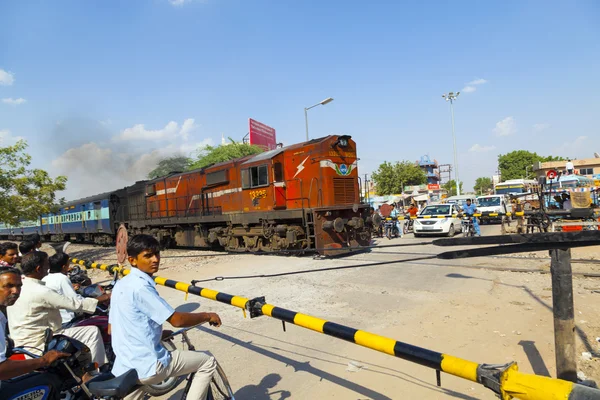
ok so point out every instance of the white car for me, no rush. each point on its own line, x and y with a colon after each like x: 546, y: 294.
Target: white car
x: 439, y: 219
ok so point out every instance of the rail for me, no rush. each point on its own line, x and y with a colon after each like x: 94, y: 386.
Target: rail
x: 505, y: 380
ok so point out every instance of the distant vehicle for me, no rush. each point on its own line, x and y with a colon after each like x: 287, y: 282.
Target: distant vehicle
x: 571, y: 182
x: 440, y: 219
x: 516, y: 186
x: 494, y: 203
x: 461, y: 200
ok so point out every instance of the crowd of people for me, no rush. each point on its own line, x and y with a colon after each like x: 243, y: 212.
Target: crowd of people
x: 36, y: 294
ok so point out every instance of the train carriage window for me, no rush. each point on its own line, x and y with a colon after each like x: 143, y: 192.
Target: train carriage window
x: 277, y: 172
x: 89, y: 214
x: 245, y: 179
x: 255, y: 177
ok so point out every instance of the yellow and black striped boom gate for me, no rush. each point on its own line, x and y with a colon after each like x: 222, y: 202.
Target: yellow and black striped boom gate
x: 505, y: 380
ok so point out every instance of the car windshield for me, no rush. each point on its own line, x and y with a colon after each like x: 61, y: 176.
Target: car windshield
x: 488, y: 201
x: 436, y: 210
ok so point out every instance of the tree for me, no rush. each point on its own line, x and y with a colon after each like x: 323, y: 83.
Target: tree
x: 168, y: 165
x: 210, y: 155
x: 25, y: 194
x: 391, y: 178
x: 518, y: 164
x: 483, y: 184
x: 450, y: 186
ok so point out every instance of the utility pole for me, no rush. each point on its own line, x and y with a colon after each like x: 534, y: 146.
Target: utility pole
x: 451, y: 97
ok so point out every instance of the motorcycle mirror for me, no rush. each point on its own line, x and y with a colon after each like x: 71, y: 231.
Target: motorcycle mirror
x: 47, y: 338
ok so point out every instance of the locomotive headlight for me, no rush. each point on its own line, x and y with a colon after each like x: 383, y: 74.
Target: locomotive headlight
x: 342, y: 141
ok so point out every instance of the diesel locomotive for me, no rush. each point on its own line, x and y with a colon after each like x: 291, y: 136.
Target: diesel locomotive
x: 304, y: 196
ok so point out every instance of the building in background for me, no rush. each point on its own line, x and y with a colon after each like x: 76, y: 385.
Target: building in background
x: 588, y: 167
x: 431, y: 169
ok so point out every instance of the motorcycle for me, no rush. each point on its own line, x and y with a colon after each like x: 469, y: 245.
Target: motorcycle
x: 467, y: 226
x: 79, y: 276
x: 408, y: 224
x: 391, y: 228
x: 61, y: 380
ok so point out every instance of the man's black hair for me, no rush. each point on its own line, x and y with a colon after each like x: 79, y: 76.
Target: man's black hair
x: 34, y: 237
x: 140, y: 243
x: 4, y: 247
x: 33, y: 260
x: 9, y: 270
x: 26, y: 247
x: 58, y: 261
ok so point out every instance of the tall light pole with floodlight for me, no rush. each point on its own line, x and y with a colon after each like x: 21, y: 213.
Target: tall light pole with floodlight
x: 321, y: 103
x: 451, y: 97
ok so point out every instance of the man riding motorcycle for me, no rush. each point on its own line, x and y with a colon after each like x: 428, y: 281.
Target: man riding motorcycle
x: 10, y: 290
x: 38, y: 308
x: 394, y: 214
x: 58, y: 281
x: 471, y: 209
x: 136, y: 319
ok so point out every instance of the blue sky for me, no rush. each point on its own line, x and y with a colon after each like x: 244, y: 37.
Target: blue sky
x: 108, y: 88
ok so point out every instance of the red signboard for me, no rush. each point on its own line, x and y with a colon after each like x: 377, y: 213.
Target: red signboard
x: 262, y: 135
x: 433, y: 186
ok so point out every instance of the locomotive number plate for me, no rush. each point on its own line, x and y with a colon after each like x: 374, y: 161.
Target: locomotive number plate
x: 258, y: 194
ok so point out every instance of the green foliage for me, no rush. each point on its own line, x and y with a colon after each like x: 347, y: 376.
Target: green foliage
x: 25, y: 193
x: 450, y: 186
x: 513, y: 165
x: 483, y: 184
x: 210, y: 155
x: 391, y: 178
x: 168, y: 165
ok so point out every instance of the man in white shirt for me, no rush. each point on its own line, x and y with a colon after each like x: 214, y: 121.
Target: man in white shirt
x: 570, y: 167
x: 58, y: 281
x: 10, y: 289
x: 38, y: 309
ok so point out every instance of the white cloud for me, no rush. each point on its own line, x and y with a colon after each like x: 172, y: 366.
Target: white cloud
x: 471, y: 86
x: 477, y: 148
x: 14, y: 102
x: 506, y: 127
x: 477, y: 82
x: 540, y: 127
x: 169, y: 132
x: 7, y: 78
x: 7, y: 139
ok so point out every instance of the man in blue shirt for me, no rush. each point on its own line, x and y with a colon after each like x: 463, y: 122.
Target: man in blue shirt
x: 395, y: 214
x: 470, y: 209
x: 136, y: 319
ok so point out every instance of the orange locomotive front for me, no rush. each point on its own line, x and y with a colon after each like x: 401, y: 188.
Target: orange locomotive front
x: 303, y: 196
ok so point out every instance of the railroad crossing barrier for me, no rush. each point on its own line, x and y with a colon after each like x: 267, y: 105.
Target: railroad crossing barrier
x: 485, y: 214
x: 505, y: 380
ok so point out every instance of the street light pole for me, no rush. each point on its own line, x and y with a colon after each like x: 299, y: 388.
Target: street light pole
x: 451, y: 97
x: 321, y: 103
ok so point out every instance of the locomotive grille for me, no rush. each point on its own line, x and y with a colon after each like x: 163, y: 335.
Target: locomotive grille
x: 343, y: 191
